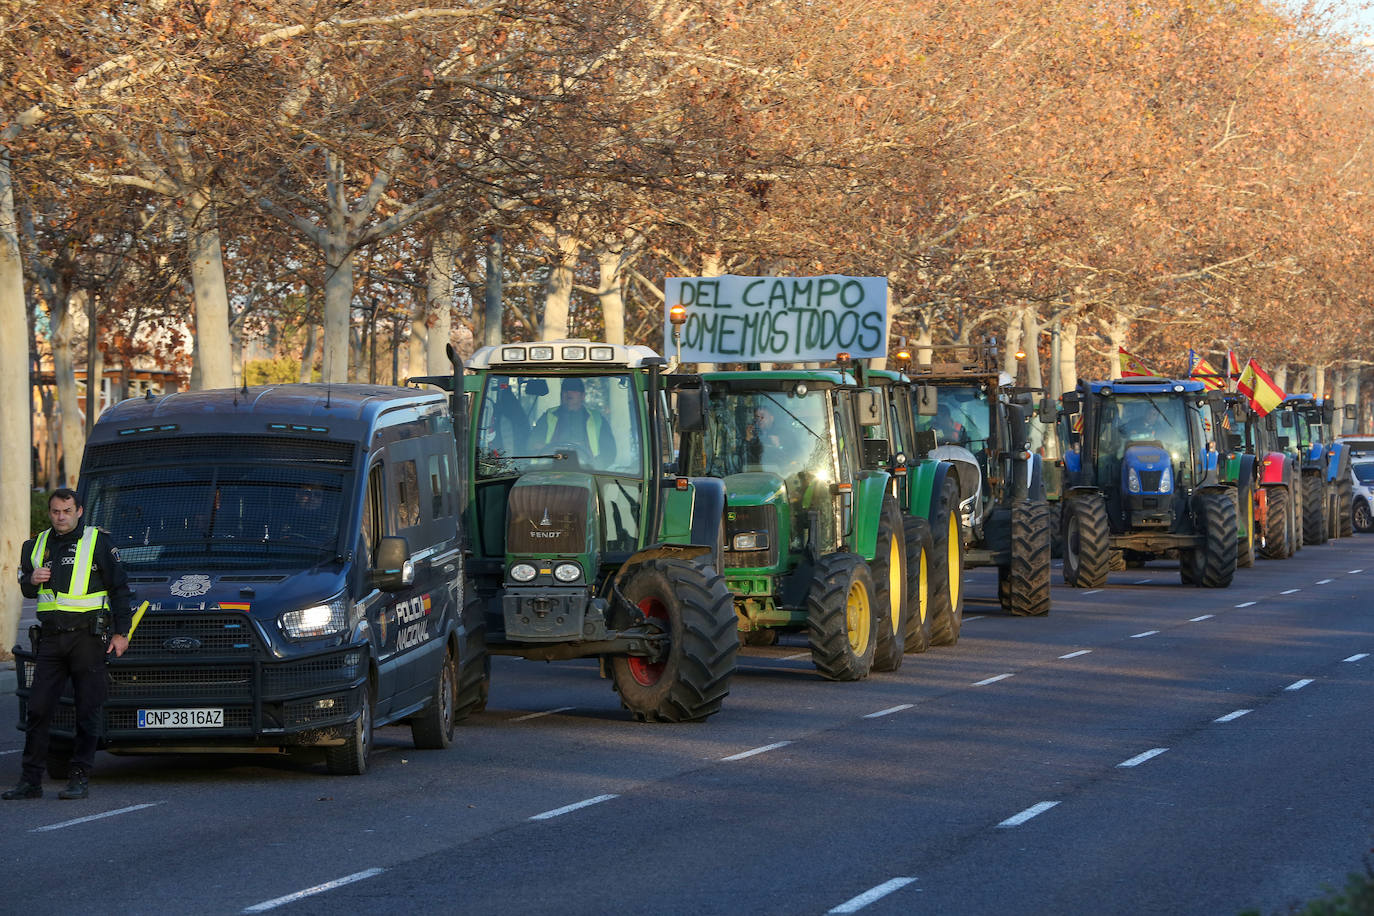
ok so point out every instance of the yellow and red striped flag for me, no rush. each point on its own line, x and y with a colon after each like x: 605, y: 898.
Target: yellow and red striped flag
x: 1256, y: 385
x: 1232, y: 365
x: 1199, y: 368
x: 1130, y: 365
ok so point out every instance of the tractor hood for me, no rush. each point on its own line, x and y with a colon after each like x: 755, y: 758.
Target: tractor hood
x: 754, y: 488
x: 1146, y: 469
x: 552, y: 512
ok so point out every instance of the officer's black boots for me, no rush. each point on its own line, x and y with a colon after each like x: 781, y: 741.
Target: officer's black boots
x: 76, y: 787
x: 23, y: 790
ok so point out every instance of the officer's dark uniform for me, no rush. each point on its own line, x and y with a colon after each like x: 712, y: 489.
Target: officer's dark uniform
x: 71, y: 645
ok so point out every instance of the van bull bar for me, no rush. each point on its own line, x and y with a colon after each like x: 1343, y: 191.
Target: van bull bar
x: 217, y: 659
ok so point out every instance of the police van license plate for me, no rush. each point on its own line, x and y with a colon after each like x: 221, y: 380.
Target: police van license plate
x: 181, y: 718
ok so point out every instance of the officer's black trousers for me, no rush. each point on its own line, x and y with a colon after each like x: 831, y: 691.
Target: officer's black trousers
x: 80, y: 657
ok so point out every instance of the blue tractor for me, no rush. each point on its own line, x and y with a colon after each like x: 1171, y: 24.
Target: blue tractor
x: 1140, y: 477
x: 1304, y: 427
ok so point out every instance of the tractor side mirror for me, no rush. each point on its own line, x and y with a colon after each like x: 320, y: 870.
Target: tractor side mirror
x: 1271, y: 422
x: 1350, y: 412
x: 866, y: 408
x: 1235, y: 442
x: 1328, y: 413
x: 691, y: 411
x: 1071, y: 400
x: 1047, y: 411
x: 925, y: 441
x: 393, y: 569
x: 925, y: 400
x: 1283, y: 443
x: 876, y: 453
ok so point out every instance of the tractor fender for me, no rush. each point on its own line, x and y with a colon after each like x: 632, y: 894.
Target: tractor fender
x: 1338, y: 467
x: 1028, y: 481
x: 923, y: 480
x: 708, y: 507
x: 1245, y: 472
x: 967, y: 473
x: 870, y: 489
x: 1275, y: 469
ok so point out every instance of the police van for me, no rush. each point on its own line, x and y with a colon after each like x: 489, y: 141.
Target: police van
x: 298, y: 548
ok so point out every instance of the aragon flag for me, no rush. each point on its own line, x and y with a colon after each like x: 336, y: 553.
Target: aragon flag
x: 1199, y: 368
x: 1232, y: 365
x: 1256, y: 385
x: 1130, y: 365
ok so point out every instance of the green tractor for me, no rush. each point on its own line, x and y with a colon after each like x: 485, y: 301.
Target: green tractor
x: 584, y: 543
x: 983, y: 429
x: 815, y: 539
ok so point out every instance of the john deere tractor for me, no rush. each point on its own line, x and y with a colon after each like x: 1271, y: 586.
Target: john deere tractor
x: 983, y: 430
x: 1141, y: 477
x: 584, y: 543
x: 814, y: 537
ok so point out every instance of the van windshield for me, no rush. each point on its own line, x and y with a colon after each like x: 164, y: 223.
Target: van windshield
x: 220, y: 515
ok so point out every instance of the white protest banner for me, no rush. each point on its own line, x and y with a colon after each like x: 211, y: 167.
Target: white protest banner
x: 778, y: 319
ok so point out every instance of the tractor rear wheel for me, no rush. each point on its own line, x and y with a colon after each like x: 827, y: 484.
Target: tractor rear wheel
x: 842, y: 626
x: 1056, y: 528
x: 1087, y: 542
x: 892, y: 600
x: 689, y: 602
x: 1216, y: 559
x: 1277, y: 535
x: 918, y: 560
x: 1245, y: 516
x: 1026, y: 592
x: 947, y: 567
x: 1313, y: 509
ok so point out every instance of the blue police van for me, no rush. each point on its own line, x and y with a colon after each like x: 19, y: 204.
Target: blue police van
x: 299, y: 550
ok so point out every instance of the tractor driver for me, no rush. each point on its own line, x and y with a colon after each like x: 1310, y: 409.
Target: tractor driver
x: 573, y: 422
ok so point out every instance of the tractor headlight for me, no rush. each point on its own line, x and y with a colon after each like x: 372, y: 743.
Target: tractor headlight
x: 318, y: 620
x: 523, y: 572
x: 1166, y: 481
x: 1132, y: 480
x: 750, y: 540
x: 567, y: 572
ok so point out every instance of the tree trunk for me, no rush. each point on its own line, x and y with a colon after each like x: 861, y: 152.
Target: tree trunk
x: 1068, y: 356
x: 1116, y: 334
x: 70, y: 433
x: 610, y: 293
x: 492, y: 330
x: 558, y: 292
x: 1352, y: 396
x: 1015, y: 330
x: 1031, y: 342
x: 338, y: 276
x: 201, y: 225
x: 1318, y: 381
x: 16, y: 478
x: 308, y: 353
x: 439, y: 300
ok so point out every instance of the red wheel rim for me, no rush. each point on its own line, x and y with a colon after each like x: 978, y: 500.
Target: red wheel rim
x: 645, y: 672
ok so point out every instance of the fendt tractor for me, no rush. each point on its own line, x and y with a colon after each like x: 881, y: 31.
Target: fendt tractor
x: 1141, y: 477
x: 584, y: 543
x: 983, y: 430
x: 1304, y: 429
x: 811, y: 521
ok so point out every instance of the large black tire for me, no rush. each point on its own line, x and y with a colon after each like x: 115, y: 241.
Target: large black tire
x: 1313, y: 509
x: 841, y: 622
x: 351, y: 757
x: 1334, y: 504
x: 918, y: 560
x: 1278, y: 509
x: 1217, y: 558
x: 692, y: 604
x: 1056, y: 528
x: 1027, y: 589
x: 432, y: 728
x: 1245, y: 522
x: 1087, y: 541
x: 946, y: 569
x: 1362, y: 516
x: 891, y: 600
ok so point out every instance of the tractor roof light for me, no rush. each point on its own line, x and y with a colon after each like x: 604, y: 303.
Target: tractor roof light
x: 842, y: 359
x: 677, y: 315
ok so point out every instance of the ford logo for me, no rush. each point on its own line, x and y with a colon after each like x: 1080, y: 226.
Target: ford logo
x: 181, y: 644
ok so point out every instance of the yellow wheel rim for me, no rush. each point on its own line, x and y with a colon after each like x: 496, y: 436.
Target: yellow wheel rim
x: 895, y: 584
x: 1250, y: 521
x: 922, y: 587
x: 952, y: 555
x: 858, y: 618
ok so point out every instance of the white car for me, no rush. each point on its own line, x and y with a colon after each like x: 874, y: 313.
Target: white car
x: 1362, y: 509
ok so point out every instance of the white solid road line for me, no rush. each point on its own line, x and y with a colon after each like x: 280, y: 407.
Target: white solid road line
x: 991, y: 680
x: 1143, y: 635
x: 1298, y: 685
x: 854, y: 904
x: 586, y: 802
x: 1016, y: 820
x: 317, y: 889
x: 1290, y: 591
x: 1233, y: 716
x: 1200, y: 619
x: 1353, y: 658
x: 889, y: 711
x: 547, y: 712
x: 758, y: 750
x: 1138, y: 759
x: 1246, y: 604
x: 1076, y: 654
x: 94, y: 817
x: 1325, y: 581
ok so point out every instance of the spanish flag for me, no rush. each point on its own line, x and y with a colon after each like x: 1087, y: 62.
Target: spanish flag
x: 1199, y: 368
x: 1256, y: 385
x: 1232, y: 365
x: 1130, y: 365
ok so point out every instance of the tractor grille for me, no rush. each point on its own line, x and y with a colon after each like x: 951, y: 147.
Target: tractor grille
x: 548, y: 519
x: 1149, y: 481
x: 751, y: 518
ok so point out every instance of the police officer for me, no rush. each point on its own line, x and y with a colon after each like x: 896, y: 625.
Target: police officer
x: 74, y: 572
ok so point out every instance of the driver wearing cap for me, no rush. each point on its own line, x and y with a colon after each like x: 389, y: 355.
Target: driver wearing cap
x: 572, y: 422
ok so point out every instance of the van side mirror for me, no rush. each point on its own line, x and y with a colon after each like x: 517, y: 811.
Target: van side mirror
x: 925, y: 400
x: 393, y: 569
x: 691, y: 413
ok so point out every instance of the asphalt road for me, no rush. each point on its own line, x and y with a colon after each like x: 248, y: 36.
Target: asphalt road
x: 1146, y: 748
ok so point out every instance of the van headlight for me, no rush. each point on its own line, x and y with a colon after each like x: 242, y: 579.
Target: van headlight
x: 317, y: 620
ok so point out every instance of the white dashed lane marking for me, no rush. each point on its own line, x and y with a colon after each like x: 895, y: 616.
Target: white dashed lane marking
x: 1092, y: 591
x: 1076, y: 654
x: 575, y: 806
x: 854, y: 904
x: 311, y: 891
x: 1353, y: 658
x: 1291, y: 591
x: 1325, y: 581
x: 1200, y: 619
x: 547, y: 712
x: 93, y: 817
x: 1138, y: 759
x: 1246, y: 604
x: 974, y: 617
x: 887, y: 712
x: 1298, y: 685
x: 1355, y: 572
x: 1143, y: 581
x: 1016, y: 820
x: 1232, y: 716
x: 1143, y: 635
x: 991, y: 680
x: 758, y: 750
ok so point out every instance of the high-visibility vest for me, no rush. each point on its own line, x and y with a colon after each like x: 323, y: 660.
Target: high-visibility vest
x: 593, y: 429
x: 76, y: 598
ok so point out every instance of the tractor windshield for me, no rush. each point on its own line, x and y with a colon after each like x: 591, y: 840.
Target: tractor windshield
x: 558, y: 422
x: 1292, y: 425
x: 771, y: 431
x: 1149, y: 420
x: 962, y: 416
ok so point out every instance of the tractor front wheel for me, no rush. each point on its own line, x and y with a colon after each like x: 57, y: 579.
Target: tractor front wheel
x: 1026, y: 592
x: 1313, y: 509
x: 1278, y: 536
x: 1245, y: 512
x: 892, y: 598
x: 1087, y: 542
x: 947, y: 568
x: 842, y: 625
x: 918, y: 559
x: 1214, y: 564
